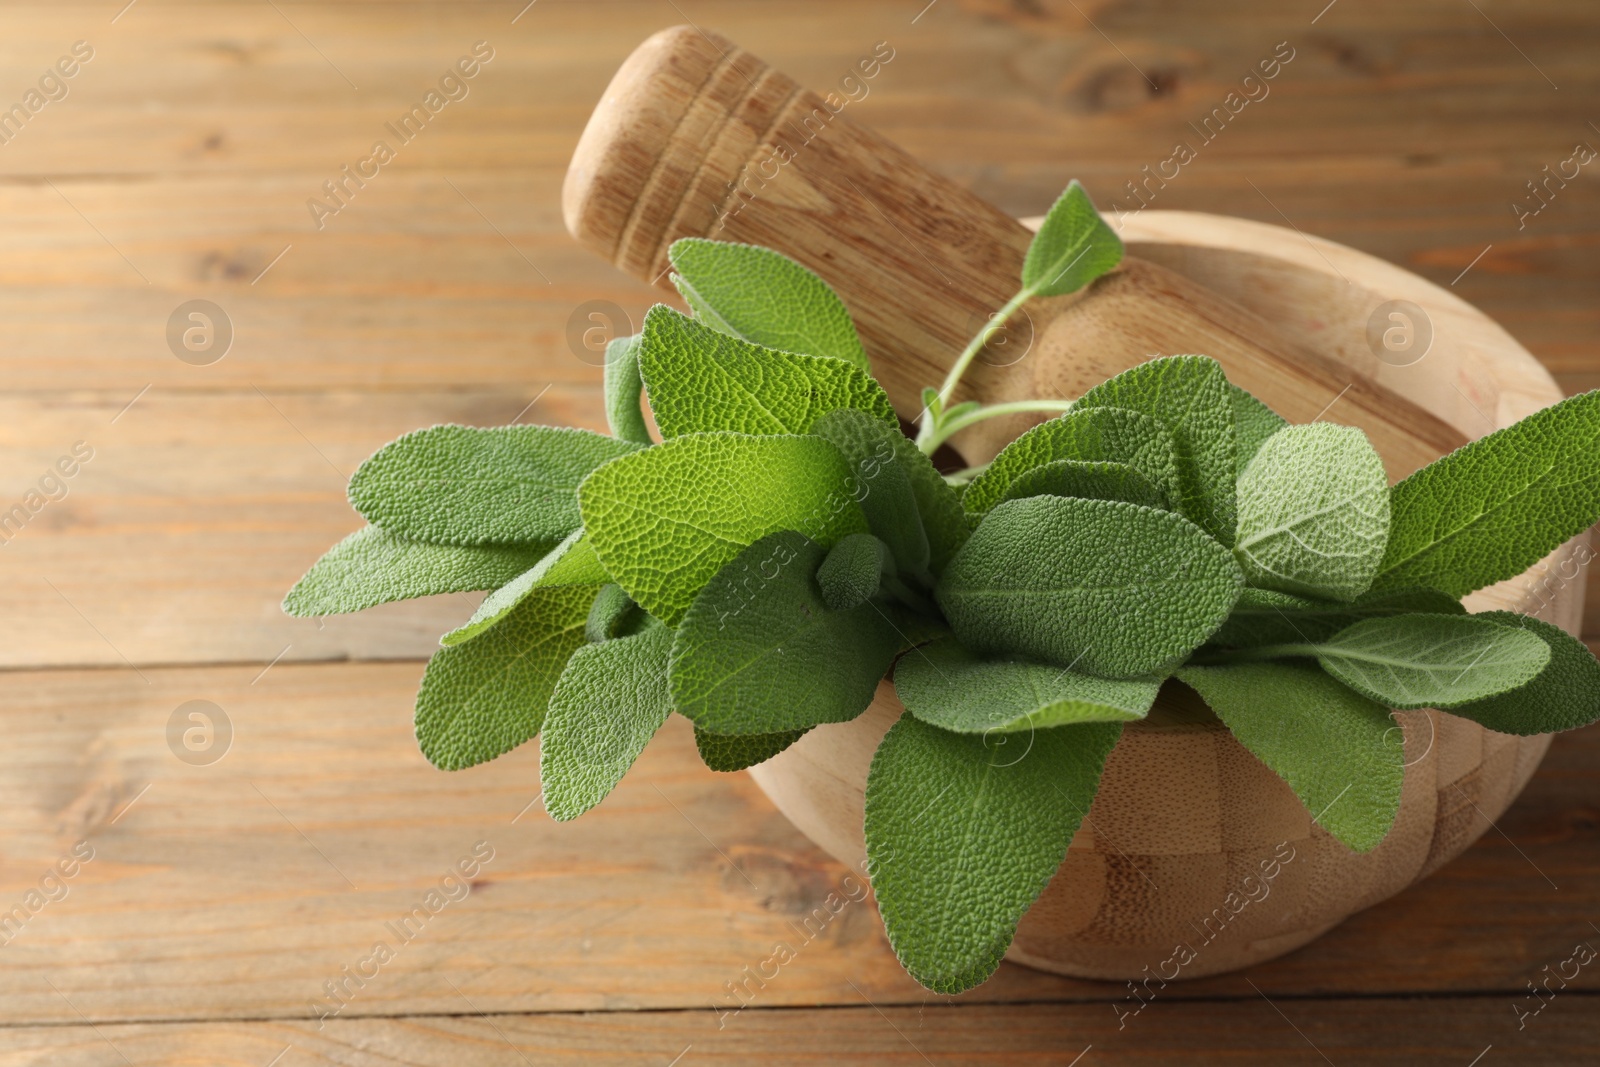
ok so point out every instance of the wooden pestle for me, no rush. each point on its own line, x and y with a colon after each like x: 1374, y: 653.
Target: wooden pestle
x: 697, y: 138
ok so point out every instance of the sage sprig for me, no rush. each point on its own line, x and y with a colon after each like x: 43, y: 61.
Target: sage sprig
x: 784, y: 547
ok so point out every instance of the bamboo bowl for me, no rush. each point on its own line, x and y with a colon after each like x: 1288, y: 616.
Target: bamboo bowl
x: 1186, y: 824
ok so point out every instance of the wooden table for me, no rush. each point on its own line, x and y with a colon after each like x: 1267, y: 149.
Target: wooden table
x: 223, y: 894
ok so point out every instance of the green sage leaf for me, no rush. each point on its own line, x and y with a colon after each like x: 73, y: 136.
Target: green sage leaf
x: 736, y: 752
x: 463, y: 485
x: 1095, y: 435
x: 666, y: 519
x: 1340, y: 752
x: 701, y: 381
x: 1253, y: 423
x: 761, y: 652
x: 572, y: 562
x: 1122, y: 590
x: 1267, y: 617
x: 607, y: 705
x: 484, y: 698
x: 1073, y: 247
x: 852, y: 571
x: 1189, y: 396
x: 1090, y: 480
x: 962, y: 836
x: 1314, y: 513
x: 1432, y: 661
x: 951, y: 687
x: 372, y: 567
x: 623, y: 386
x: 1563, y: 696
x: 884, y: 483
x: 762, y: 296
x: 1491, y: 509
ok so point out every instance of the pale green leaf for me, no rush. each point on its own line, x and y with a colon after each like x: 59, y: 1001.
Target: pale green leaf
x: 735, y: 752
x: 1121, y: 590
x: 1095, y: 435
x: 1432, y: 661
x: 465, y: 485
x: 484, y: 698
x: 963, y: 834
x: 608, y: 704
x: 372, y: 567
x: 1313, y: 513
x: 1491, y: 509
x: 1073, y: 247
x: 1341, y: 753
x: 1563, y: 696
x: 883, y: 483
x: 622, y: 388
x: 761, y: 652
x: 1253, y: 423
x: 572, y: 562
x: 1267, y: 617
x: 700, y: 381
x: 757, y: 294
x: 1098, y: 480
x: 666, y: 519
x: 946, y: 684
x: 1189, y: 396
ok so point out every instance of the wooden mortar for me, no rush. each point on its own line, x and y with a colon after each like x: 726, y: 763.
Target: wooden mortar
x: 1185, y: 816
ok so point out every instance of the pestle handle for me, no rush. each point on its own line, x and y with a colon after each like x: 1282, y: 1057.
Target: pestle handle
x: 697, y: 138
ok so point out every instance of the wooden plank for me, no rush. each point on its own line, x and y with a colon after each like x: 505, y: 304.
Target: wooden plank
x: 1257, y: 1031
x: 240, y: 887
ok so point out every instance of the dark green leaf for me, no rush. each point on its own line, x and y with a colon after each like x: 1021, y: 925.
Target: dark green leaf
x: 735, y: 752
x: 622, y: 387
x: 1564, y: 696
x: 1073, y: 247
x: 962, y: 836
x: 1491, y: 509
x: 760, y: 652
x: 1090, y: 480
x: 1121, y: 590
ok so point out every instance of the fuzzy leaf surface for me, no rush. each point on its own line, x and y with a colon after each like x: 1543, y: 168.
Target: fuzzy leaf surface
x: 761, y: 652
x: 1091, y: 480
x: 1253, y: 423
x: 852, y: 571
x: 1267, y: 617
x: 701, y: 381
x: 1432, y: 661
x: 1491, y: 509
x: 372, y: 567
x: 1094, y: 434
x: 1073, y: 247
x: 1563, y: 696
x: 665, y: 520
x: 735, y: 752
x: 1122, y: 590
x: 572, y: 562
x: 949, y: 686
x: 484, y: 698
x: 466, y: 485
x: 884, y: 485
x: 1190, y: 397
x: 762, y: 296
x: 1313, y: 513
x: 607, y: 705
x: 623, y: 386
x: 962, y: 837
x: 1339, y: 751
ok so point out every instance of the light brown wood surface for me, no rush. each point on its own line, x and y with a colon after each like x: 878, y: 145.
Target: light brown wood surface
x: 207, y: 922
